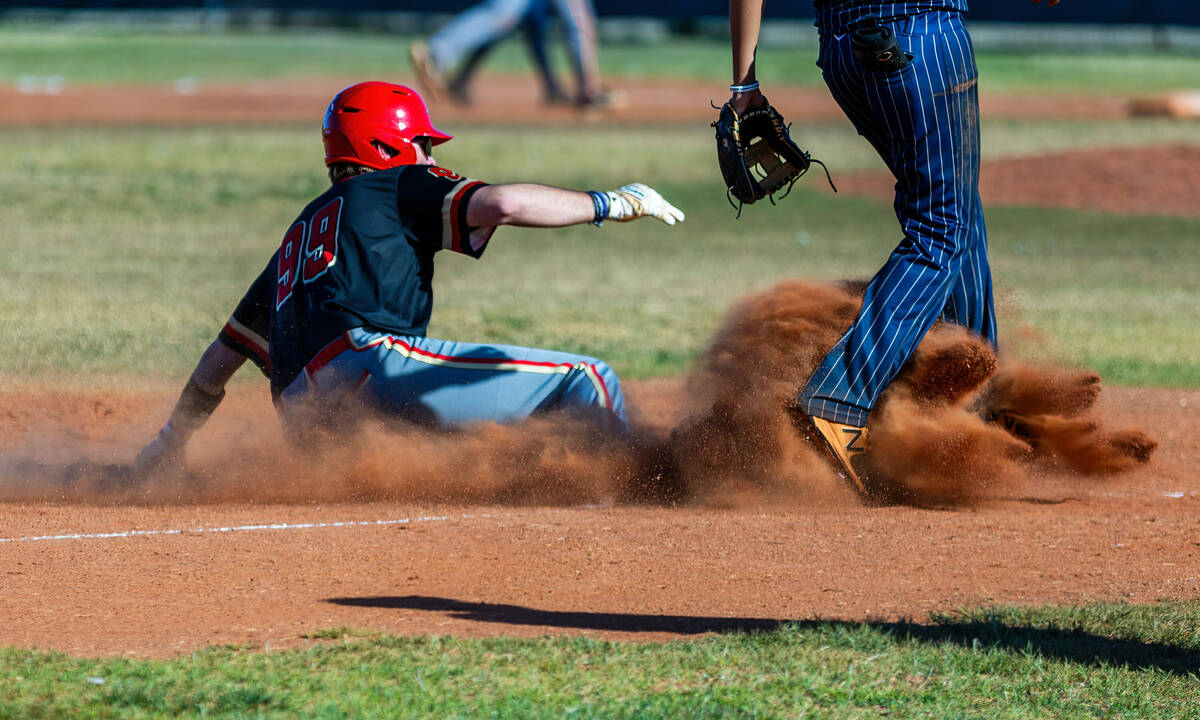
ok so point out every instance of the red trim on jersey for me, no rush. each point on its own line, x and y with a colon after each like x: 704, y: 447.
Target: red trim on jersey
x: 344, y: 343
x: 259, y: 352
x: 456, y: 236
x: 465, y: 359
x: 329, y: 352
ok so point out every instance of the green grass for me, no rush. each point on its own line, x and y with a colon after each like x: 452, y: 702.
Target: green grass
x: 88, y: 56
x: 127, y: 248
x: 1111, y: 661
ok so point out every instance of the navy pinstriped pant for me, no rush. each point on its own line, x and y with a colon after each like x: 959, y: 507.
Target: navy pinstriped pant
x: 923, y: 119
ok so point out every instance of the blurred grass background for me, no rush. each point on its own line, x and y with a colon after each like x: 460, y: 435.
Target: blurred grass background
x: 97, y: 55
x: 128, y: 247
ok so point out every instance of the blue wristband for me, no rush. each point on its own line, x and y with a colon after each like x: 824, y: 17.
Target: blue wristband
x: 744, y: 88
x: 599, y: 206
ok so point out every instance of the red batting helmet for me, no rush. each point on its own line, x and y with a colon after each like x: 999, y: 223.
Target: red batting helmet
x: 371, y: 112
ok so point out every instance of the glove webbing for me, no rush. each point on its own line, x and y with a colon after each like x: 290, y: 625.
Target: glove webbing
x: 772, y: 171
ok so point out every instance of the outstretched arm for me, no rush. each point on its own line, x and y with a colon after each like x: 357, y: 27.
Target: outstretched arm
x: 196, y: 403
x: 242, y: 338
x: 529, y: 205
x: 533, y: 205
x: 216, y: 366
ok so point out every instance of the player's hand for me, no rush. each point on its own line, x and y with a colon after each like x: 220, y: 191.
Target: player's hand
x: 630, y: 202
x: 741, y: 102
x: 163, y: 453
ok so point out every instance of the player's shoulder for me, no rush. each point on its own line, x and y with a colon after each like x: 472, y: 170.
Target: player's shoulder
x: 389, y: 179
x: 418, y: 173
x: 430, y: 182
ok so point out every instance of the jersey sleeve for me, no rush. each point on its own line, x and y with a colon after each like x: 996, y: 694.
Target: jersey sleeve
x: 247, y: 330
x: 435, y: 200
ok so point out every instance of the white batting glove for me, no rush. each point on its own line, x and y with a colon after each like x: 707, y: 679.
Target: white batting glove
x: 630, y: 202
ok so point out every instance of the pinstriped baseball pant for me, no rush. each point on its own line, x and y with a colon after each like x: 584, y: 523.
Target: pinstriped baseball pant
x: 924, y: 121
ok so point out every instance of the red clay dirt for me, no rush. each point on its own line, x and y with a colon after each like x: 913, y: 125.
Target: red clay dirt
x: 714, y: 517
x: 647, y: 572
x: 497, y: 99
x: 1126, y: 181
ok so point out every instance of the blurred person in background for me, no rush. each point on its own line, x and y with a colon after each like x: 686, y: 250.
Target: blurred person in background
x: 448, y: 63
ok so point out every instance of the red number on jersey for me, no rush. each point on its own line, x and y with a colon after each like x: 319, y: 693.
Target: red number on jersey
x: 289, y: 260
x: 444, y: 173
x: 321, y: 250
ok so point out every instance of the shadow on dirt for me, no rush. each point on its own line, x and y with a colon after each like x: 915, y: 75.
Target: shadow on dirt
x: 1058, y: 643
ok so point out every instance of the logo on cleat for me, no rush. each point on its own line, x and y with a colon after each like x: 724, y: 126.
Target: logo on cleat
x: 853, y: 445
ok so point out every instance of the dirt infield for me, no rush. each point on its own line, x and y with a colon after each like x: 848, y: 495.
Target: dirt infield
x: 714, y: 516
x: 1127, y: 181
x: 498, y: 99
x: 621, y: 571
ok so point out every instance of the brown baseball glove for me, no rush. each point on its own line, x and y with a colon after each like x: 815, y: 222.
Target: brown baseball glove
x: 757, y: 156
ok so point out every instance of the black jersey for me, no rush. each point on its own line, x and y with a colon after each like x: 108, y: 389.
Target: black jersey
x: 359, y: 255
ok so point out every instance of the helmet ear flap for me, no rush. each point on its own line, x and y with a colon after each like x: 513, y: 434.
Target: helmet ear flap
x: 386, y: 152
x: 394, y: 157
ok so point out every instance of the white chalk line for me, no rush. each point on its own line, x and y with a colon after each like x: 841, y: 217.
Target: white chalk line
x: 243, y: 528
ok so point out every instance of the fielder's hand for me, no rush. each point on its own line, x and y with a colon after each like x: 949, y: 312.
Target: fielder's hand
x: 630, y: 202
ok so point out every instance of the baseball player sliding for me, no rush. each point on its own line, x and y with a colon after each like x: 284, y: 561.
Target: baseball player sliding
x: 904, y: 73
x: 339, y: 312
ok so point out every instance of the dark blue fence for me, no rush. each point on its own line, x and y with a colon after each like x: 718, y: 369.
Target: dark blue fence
x: 1145, y: 12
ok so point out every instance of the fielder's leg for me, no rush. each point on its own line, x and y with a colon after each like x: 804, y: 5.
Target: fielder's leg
x: 970, y: 303
x: 923, y: 120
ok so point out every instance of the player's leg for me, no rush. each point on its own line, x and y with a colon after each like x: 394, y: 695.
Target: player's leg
x: 476, y: 27
x: 578, y: 18
x: 970, y: 303
x: 915, y: 119
x: 441, y: 382
x: 459, y: 85
x: 537, y: 23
